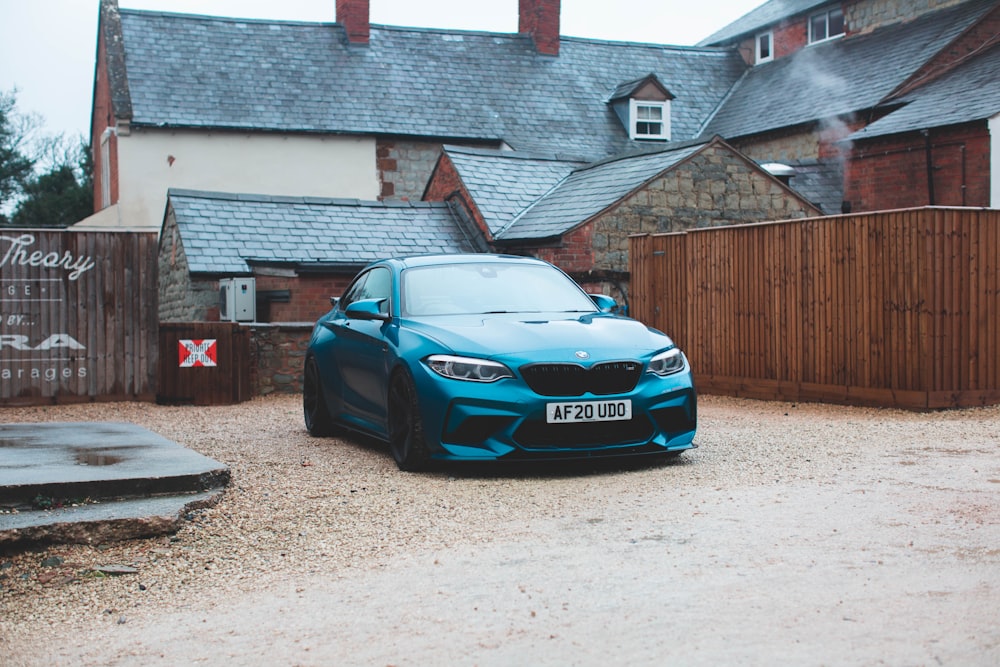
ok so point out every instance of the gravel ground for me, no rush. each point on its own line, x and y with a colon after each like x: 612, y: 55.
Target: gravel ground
x: 805, y: 534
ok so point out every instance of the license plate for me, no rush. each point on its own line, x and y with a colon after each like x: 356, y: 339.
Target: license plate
x: 588, y: 411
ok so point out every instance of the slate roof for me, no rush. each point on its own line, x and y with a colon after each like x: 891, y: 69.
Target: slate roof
x: 212, y: 72
x: 504, y: 183
x: 976, y: 83
x: 225, y: 233
x: 629, y: 88
x: 821, y: 182
x: 761, y: 17
x: 841, y: 76
x: 589, y: 190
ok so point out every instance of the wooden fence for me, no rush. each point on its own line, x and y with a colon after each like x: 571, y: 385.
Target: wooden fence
x: 897, y: 308
x: 79, y: 316
x: 204, y: 363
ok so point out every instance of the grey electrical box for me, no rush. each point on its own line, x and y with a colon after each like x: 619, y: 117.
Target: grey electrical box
x: 237, y: 300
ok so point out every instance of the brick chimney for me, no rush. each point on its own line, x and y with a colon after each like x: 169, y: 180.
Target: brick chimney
x: 353, y: 15
x: 540, y: 20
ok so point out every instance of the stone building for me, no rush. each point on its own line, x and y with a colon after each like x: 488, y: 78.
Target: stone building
x: 579, y: 216
x: 831, y: 95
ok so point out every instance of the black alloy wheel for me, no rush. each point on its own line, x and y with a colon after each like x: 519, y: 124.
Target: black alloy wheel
x: 314, y: 410
x: 406, y: 431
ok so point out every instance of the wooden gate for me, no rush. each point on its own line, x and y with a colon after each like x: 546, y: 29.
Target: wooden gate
x: 204, y: 363
x: 78, y: 316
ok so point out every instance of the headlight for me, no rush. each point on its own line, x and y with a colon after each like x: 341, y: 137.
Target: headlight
x: 467, y: 368
x: 667, y: 362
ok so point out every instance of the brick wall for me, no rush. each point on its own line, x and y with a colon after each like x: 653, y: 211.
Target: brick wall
x: 101, y: 119
x: 353, y: 15
x: 891, y: 172
x: 859, y: 17
x: 540, y: 19
x: 445, y: 181
x: 309, y: 296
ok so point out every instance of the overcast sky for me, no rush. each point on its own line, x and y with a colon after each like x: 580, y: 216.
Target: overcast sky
x: 47, y: 47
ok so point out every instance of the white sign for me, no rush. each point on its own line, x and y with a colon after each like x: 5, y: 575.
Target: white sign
x: 196, y: 353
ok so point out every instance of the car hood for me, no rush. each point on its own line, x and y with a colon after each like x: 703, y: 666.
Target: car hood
x: 552, y: 337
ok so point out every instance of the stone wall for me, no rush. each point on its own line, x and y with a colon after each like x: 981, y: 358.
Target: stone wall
x: 866, y: 16
x: 181, y: 298
x: 779, y: 146
x: 277, y: 356
x: 715, y: 187
x: 404, y: 167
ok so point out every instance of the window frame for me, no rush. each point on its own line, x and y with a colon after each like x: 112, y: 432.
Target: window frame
x: 356, y: 290
x: 664, y: 107
x: 825, y: 15
x: 770, y: 47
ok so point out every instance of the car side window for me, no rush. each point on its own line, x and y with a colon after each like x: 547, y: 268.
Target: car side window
x: 379, y: 286
x: 354, y: 292
x: 375, y: 284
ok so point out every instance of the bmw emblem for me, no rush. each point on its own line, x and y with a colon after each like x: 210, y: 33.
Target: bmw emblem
x: 580, y: 354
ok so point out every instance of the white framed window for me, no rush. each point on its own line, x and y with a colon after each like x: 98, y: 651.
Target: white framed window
x: 826, y: 25
x: 650, y: 120
x: 765, y: 47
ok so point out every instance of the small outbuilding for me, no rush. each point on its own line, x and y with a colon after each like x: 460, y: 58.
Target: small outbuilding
x: 299, y: 250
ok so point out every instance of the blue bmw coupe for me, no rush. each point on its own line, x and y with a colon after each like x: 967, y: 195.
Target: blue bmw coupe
x: 489, y: 357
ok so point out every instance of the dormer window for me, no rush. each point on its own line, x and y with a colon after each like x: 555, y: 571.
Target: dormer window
x: 826, y: 25
x: 643, y: 107
x: 650, y: 120
x: 764, y: 50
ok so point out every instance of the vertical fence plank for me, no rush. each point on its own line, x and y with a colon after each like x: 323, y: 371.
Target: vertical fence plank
x: 74, y: 315
x: 890, y: 308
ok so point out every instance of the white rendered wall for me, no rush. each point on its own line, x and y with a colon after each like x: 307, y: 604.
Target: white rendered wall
x: 152, y: 161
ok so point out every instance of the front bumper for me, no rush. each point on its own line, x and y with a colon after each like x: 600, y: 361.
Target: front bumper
x: 471, y: 421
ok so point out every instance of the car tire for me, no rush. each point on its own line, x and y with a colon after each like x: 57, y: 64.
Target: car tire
x: 314, y: 409
x: 406, y: 432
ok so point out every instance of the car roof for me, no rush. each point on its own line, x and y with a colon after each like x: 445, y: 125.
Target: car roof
x: 411, y: 261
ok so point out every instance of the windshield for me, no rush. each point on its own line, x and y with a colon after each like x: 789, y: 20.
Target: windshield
x: 490, y: 287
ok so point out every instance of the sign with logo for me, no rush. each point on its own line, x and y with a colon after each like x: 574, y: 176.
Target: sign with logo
x: 197, y: 353
x: 78, y: 315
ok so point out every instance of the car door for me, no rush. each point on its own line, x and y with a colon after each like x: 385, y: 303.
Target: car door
x: 362, y: 352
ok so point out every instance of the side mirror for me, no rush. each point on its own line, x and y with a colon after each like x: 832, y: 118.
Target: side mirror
x: 367, y: 309
x: 604, y: 302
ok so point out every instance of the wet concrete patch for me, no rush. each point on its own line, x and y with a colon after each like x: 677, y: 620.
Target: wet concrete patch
x: 64, y: 463
x: 88, y: 458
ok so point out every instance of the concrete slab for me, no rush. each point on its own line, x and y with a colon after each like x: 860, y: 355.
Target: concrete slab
x: 67, y: 460
x: 125, y: 480
x: 109, y: 521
